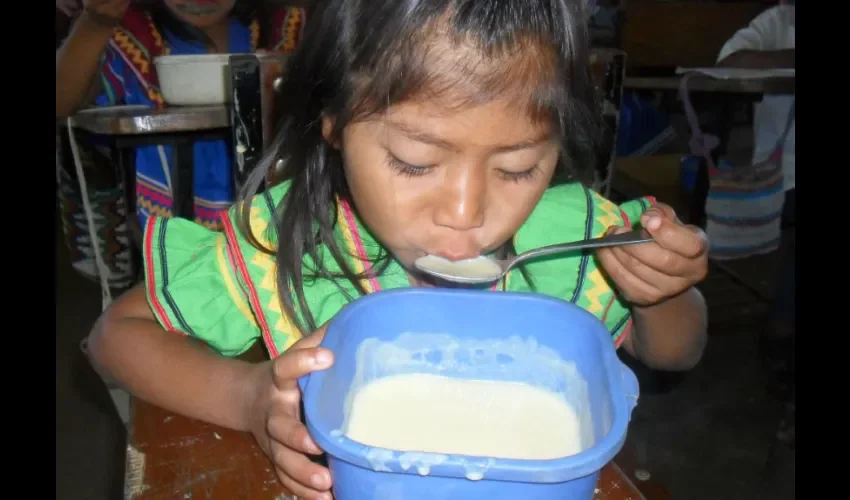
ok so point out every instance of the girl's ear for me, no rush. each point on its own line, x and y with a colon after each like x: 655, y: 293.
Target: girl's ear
x: 327, y: 131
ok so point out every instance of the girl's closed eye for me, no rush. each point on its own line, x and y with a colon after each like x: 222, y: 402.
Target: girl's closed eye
x: 404, y: 168
x: 408, y: 169
x: 525, y: 175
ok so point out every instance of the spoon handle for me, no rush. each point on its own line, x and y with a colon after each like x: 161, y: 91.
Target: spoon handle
x: 636, y: 236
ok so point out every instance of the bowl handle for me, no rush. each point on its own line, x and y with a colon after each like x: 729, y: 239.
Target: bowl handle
x: 631, y: 388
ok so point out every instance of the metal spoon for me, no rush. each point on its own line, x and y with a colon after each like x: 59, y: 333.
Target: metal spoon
x: 486, y: 270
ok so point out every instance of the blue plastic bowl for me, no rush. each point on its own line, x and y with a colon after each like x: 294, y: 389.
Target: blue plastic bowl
x: 433, y: 320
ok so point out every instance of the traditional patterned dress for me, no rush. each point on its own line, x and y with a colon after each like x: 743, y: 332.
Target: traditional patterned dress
x: 129, y: 77
x: 218, y: 288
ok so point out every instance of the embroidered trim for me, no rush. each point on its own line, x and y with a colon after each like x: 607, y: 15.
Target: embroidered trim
x: 156, y: 305
x: 253, y: 296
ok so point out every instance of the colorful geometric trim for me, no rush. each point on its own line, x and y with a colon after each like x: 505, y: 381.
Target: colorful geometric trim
x: 621, y: 335
x: 225, y: 265
x: 253, y: 296
x: 255, y: 34
x: 131, y: 40
x: 156, y: 261
x: 289, y: 28
x: 355, y: 243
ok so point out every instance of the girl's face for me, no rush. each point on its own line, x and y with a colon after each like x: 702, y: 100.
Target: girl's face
x: 455, y: 183
x: 201, y: 13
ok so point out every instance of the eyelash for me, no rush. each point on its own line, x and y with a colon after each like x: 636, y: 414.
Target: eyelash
x: 406, y: 169
x: 525, y: 175
x: 409, y: 170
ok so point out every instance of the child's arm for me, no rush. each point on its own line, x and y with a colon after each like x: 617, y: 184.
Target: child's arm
x: 670, y: 335
x: 759, y: 59
x: 78, y: 60
x: 759, y: 45
x: 170, y: 369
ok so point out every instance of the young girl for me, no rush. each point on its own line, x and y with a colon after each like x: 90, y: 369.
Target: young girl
x: 446, y: 127
x: 108, y: 60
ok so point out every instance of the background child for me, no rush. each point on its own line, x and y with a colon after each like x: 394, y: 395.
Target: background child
x: 447, y: 127
x: 108, y: 60
x: 770, y: 42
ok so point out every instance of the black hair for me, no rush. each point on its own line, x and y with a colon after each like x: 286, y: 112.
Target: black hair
x: 166, y: 21
x: 358, y: 57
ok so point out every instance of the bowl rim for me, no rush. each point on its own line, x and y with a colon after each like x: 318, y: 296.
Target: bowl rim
x: 557, y: 470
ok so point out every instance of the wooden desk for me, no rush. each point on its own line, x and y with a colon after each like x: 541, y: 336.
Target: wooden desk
x: 758, y: 87
x: 139, y: 120
x: 170, y: 456
x: 129, y: 127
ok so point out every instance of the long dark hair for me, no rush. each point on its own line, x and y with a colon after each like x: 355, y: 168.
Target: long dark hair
x: 358, y: 57
x: 166, y: 21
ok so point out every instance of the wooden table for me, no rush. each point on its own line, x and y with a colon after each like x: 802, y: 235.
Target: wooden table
x: 169, y: 456
x: 132, y: 120
x: 129, y: 127
x: 708, y: 84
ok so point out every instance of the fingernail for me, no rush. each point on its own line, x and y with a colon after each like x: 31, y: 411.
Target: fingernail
x: 653, y: 223
x: 318, y: 480
x: 323, y: 358
x: 310, y: 445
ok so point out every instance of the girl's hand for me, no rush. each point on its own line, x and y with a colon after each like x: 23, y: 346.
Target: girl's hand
x: 277, y: 418
x: 106, y: 12
x: 649, y: 273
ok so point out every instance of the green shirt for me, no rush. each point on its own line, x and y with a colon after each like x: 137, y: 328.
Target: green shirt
x: 217, y: 287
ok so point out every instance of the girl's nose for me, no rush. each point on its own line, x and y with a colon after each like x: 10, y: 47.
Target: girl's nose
x: 460, y: 205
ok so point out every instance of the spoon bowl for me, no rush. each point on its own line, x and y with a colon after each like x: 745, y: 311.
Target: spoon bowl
x: 481, y: 269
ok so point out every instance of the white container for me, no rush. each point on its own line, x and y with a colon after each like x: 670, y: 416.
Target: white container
x: 194, y: 80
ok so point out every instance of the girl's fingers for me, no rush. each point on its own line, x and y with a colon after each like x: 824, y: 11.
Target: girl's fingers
x: 305, y: 474
x: 296, y: 363
x: 288, y: 431
x: 627, y: 282
x: 654, y: 256
x: 662, y: 283
x: 689, y: 242
x: 301, y: 491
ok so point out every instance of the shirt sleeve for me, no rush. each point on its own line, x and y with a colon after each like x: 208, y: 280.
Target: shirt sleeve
x: 192, y: 287
x: 618, y: 315
x: 760, y: 34
x: 632, y: 210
